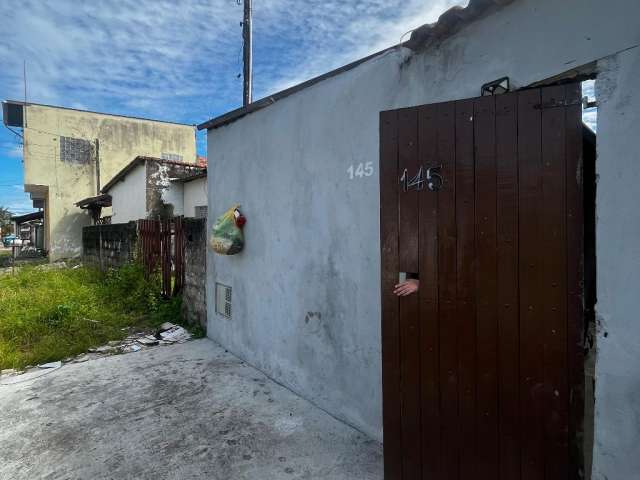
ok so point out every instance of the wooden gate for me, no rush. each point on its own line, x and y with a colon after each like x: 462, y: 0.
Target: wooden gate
x: 161, y: 244
x: 483, y: 368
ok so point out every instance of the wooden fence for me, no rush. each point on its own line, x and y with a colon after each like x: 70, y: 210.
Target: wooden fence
x: 161, y: 246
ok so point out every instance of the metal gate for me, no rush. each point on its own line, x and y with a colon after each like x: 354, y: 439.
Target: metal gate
x: 161, y: 244
x: 483, y: 368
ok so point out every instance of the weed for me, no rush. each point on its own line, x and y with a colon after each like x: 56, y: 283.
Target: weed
x: 48, y: 315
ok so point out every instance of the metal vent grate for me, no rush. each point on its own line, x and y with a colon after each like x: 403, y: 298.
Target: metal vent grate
x: 223, y: 300
x: 201, y: 211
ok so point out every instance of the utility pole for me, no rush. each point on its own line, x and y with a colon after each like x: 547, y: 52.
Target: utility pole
x: 97, y: 152
x: 247, y: 54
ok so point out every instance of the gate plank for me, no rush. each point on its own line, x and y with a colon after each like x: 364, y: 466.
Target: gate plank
x: 409, y: 314
x: 554, y: 284
x: 507, y: 269
x: 531, y: 291
x: 428, y: 294
x: 575, y: 277
x: 447, y: 292
x: 486, y: 316
x: 389, y: 277
x: 465, y: 301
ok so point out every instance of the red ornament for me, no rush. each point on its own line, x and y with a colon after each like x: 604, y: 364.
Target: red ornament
x: 241, y: 220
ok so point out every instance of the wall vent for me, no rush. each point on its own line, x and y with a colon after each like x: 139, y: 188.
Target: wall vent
x: 223, y: 300
x: 201, y: 211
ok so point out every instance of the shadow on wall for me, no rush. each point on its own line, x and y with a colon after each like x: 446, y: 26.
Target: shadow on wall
x: 66, y: 237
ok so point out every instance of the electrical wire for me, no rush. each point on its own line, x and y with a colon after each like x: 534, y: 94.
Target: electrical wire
x: 14, y: 132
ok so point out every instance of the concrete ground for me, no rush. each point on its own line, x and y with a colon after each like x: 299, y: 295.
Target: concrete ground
x: 188, y: 411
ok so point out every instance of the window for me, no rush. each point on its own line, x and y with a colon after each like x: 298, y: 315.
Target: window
x: 75, y: 150
x: 201, y: 211
x: 223, y: 300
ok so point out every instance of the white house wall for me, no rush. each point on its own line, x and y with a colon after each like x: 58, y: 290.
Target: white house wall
x: 195, y: 195
x: 306, y: 294
x: 617, y: 418
x: 129, y: 200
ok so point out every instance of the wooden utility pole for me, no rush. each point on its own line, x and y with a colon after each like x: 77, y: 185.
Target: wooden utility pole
x: 247, y: 53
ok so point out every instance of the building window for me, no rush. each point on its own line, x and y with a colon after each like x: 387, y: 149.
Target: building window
x: 75, y: 150
x: 223, y: 300
x: 201, y: 211
x: 172, y: 157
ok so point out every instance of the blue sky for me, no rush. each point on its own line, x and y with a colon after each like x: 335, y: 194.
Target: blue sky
x: 178, y: 61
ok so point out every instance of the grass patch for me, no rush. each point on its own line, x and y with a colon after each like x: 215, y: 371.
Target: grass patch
x: 48, y: 315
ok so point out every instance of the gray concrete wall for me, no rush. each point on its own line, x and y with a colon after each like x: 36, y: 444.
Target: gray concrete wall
x: 306, y: 293
x: 617, y: 417
x: 108, y: 246
x: 194, y: 300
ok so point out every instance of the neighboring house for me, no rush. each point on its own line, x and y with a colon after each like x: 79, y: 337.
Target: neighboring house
x: 69, y: 154
x: 302, y: 302
x: 149, y: 188
x: 29, y: 228
x: 195, y: 195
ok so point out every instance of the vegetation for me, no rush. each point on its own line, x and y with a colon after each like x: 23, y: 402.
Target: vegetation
x: 50, y: 314
x: 5, y: 221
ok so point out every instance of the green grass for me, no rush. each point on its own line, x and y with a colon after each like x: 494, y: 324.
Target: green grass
x: 48, y: 315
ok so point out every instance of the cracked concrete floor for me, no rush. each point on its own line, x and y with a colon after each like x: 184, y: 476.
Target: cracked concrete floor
x: 188, y: 411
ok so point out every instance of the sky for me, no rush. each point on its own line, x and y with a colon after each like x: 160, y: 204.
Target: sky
x: 178, y: 60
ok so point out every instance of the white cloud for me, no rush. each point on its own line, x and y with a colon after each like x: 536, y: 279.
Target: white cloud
x: 179, y: 60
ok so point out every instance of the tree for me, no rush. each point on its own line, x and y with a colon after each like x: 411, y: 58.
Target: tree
x: 5, y: 221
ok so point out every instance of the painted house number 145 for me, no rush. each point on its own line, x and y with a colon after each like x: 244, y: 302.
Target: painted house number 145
x: 362, y: 170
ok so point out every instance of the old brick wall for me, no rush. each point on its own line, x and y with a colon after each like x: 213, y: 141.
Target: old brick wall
x: 118, y: 244
x: 194, y: 301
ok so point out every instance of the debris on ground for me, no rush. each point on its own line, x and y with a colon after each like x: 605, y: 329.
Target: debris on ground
x: 173, y: 333
x: 57, y: 364
x: 148, y: 340
x: 167, y: 334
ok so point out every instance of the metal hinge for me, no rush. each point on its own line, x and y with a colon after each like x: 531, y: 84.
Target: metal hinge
x: 584, y: 101
x: 556, y: 104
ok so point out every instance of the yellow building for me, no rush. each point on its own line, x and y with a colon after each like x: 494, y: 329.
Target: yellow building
x: 69, y: 154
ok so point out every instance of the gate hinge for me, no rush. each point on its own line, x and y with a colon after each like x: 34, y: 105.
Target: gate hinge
x: 584, y: 101
x: 556, y: 104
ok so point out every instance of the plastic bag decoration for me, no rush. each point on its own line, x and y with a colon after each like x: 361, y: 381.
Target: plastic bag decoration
x: 227, y: 237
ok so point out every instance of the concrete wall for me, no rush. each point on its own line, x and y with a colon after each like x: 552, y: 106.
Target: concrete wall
x: 195, y: 195
x: 617, y: 418
x: 306, y: 293
x: 128, y: 196
x: 194, y: 299
x: 121, y: 139
x: 109, y: 245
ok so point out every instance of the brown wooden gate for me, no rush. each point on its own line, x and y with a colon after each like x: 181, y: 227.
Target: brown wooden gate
x: 483, y: 368
x: 161, y: 244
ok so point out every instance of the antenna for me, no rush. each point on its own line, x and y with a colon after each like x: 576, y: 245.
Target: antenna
x: 247, y: 54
